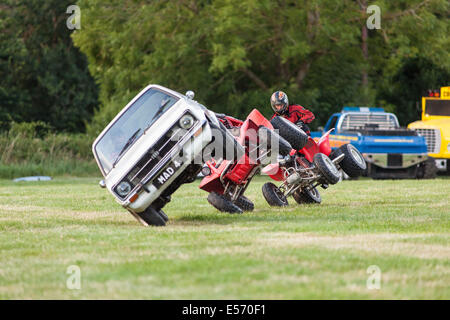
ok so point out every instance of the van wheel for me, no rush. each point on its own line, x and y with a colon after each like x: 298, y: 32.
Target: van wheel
x: 273, y: 195
x: 327, y: 168
x: 221, y: 203
x: 427, y: 169
x: 163, y: 215
x: 307, y: 196
x: 152, y: 217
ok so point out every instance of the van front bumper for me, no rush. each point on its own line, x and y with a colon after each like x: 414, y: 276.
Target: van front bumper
x: 394, y: 160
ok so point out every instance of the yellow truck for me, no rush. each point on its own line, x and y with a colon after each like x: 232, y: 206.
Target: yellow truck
x: 435, y: 126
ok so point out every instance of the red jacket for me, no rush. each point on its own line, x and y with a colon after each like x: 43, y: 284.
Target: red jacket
x: 296, y: 112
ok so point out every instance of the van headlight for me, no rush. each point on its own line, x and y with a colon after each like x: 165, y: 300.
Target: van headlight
x: 123, y: 189
x: 186, y: 121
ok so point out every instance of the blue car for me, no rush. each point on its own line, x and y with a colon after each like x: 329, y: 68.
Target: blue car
x: 390, y: 151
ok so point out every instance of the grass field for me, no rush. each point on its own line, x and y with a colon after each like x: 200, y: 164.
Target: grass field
x: 299, y: 252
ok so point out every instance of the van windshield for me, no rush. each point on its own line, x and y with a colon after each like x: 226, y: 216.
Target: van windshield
x: 437, y: 107
x: 131, y: 125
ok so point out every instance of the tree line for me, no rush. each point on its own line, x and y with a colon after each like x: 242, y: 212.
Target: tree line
x: 232, y: 53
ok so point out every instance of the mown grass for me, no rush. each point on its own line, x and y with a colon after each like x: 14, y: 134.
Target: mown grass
x: 67, y: 167
x: 300, y: 252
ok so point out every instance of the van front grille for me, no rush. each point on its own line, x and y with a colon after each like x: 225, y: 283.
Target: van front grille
x: 432, y: 138
x: 155, y: 154
x: 150, y: 159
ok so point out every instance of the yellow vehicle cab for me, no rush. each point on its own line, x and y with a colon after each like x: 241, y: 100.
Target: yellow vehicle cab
x: 435, y: 126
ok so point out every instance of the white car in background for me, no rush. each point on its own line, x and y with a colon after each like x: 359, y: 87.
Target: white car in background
x: 154, y: 145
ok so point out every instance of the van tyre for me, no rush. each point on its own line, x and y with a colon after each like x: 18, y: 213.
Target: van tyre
x: 221, y: 203
x: 327, y: 169
x: 427, y: 169
x: 353, y: 163
x: 244, y: 203
x: 152, y: 217
x: 273, y: 195
x: 163, y: 215
x: 289, y: 131
x: 265, y: 137
x: 307, y: 196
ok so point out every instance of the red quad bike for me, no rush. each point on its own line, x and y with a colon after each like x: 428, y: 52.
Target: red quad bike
x: 227, y: 180
x: 313, y: 165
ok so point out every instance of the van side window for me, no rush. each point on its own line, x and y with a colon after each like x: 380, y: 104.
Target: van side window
x: 333, y: 122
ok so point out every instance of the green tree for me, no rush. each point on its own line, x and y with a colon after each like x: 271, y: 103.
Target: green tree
x: 44, y: 77
x: 409, y: 54
x: 412, y: 81
x: 234, y: 53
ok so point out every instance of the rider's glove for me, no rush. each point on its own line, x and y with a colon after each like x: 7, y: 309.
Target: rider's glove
x: 300, y: 123
x: 303, y: 126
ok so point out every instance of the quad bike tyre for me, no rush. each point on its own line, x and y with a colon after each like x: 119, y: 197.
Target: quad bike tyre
x: 153, y: 217
x: 244, y: 203
x: 326, y: 168
x: 353, y: 163
x: 427, y: 169
x: 273, y: 195
x: 307, y: 196
x: 221, y: 203
x: 289, y: 131
x: 266, y: 135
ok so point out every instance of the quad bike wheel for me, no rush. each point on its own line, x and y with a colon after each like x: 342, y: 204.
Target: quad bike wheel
x: 221, y: 203
x: 244, y: 203
x: 353, y: 163
x: 273, y: 195
x: 307, y: 196
x: 153, y: 217
x: 289, y: 131
x: 265, y: 137
x: 327, y: 169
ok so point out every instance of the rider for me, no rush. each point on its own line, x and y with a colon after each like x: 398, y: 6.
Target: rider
x: 294, y: 112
